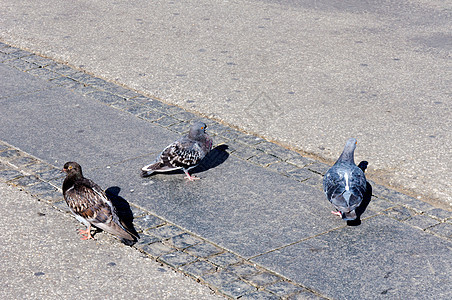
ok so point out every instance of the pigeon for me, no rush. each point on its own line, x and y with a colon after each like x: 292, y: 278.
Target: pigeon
x: 88, y: 202
x: 185, y: 153
x: 345, y: 184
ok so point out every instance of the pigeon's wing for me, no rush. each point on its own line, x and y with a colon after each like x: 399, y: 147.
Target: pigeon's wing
x: 87, y: 200
x: 183, y: 154
x: 333, y: 185
x: 357, y: 183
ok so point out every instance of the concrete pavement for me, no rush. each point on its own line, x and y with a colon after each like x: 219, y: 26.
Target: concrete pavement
x: 256, y: 226
x: 44, y: 258
x: 306, y: 74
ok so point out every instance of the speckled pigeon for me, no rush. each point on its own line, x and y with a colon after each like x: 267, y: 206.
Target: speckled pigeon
x: 345, y: 184
x: 88, y: 202
x: 185, y: 153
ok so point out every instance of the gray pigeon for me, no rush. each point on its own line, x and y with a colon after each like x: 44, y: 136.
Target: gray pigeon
x: 88, y: 202
x: 345, y: 184
x: 185, y: 153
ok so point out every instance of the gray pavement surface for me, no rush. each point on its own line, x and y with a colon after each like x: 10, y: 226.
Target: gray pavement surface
x: 44, y: 258
x: 256, y: 226
x: 306, y: 74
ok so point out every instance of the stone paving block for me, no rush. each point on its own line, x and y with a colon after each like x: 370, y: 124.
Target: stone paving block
x: 260, y: 295
x: 203, y: 250
x: 199, y: 268
x: 225, y: 259
x: 120, y: 91
x: 282, y: 167
x: 156, y: 105
x: 243, y: 269
x: 51, y: 174
x: 136, y: 211
x: 264, y: 159
x: 421, y: 221
x: 7, y: 175
x: 183, y: 241
x: 43, y: 74
x: 301, y: 174
x: 141, y: 99
x: 9, y: 153
x: 177, y: 259
x: 157, y: 249
x: 4, y: 166
x: 300, y: 161
x: 171, y: 110
x: 166, y: 121
x: 400, y: 213
x: 64, y: 81
x: 38, y: 60
x: 61, y: 69
x: 39, y: 167
x: 25, y: 180
x: 443, y: 229
x: 220, y: 278
x: 4, y: 57
x: 381, y: 255
x: 276, y: 150
x: 23, y: 161
x: 319, y: 168
x: 283, y: 288
x: 20, y: 64
x: 20, y: 53
x: 9, y: 49
x: 246, y: 152
x: 147, y: 221
x: 236, y: 289
x: 217, y: 128
x: 145, y: 240
x: 248, y: 139
x: 412, y: 203
x: 261, y: 279
x: 165, y: 232
x: 82, y: 88
x: 185, y: 116
x: 153, y: 116
x: 181, y: 128
x: 439, y: 214
x: 315, y: 181
x: 105, y: 97
x: 379, y: 204
x: 304, y: 295
x: 41, y: 187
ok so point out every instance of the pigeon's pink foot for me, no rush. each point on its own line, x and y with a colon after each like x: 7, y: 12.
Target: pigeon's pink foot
x: 191, y: 178
x: 337, y: 213
x: 87, y: 232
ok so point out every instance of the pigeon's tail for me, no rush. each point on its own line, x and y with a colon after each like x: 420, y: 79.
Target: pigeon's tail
x: 349, y: 216
x: 120, y: 231
x: 149, y: 169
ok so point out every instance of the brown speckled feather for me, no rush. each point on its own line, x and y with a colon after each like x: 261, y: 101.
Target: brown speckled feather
x: 88, y: 202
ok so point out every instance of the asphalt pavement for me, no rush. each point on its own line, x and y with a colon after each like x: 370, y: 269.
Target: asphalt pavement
x: 256, y: 226
x: 305, y: 74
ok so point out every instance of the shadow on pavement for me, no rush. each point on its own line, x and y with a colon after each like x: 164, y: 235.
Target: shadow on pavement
x: 366, y: 198
x: 122, y: 209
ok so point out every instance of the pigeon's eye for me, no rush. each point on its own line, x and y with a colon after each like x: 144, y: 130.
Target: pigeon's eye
x: 70, y: 167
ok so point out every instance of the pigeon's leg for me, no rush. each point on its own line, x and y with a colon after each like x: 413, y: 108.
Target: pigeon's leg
x: 337, y: 213
x: 189, y: 177
x: 87, y: 232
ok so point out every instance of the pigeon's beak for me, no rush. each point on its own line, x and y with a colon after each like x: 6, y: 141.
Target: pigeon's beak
x: 64, y: 170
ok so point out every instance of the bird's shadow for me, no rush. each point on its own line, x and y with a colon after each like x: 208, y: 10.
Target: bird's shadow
x: 213, y: 159
x: 122, y: 208
x: 366, y: 198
